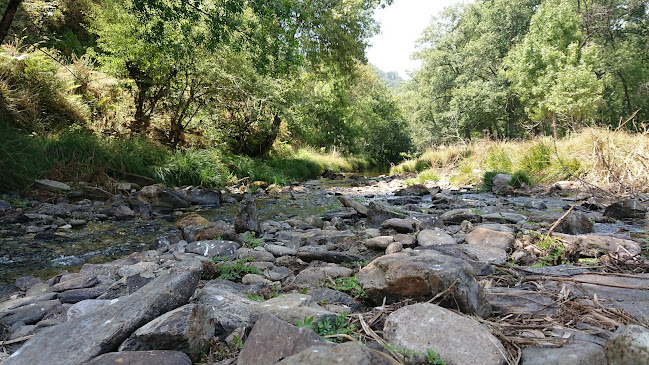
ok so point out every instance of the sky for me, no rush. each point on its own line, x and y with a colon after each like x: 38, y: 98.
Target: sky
x: 401, y: 25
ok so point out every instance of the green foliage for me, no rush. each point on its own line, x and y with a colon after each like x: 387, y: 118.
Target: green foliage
x: 433, y: 357
x: 250, y: 241
x: 348, y: 285
x: 407, y: 354
x: 340, y: 325
x: 234, y: 270
x: 487, y: 179
x: 519, y: 178
x: 194, y: 167
x: 255, y: 297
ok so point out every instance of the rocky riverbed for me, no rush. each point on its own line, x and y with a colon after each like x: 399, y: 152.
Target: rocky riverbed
x: 343, y: 270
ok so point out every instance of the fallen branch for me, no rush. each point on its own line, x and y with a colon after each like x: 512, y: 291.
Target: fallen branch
x: 16, y: 340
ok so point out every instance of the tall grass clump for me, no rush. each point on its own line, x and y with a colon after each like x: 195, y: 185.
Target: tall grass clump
x: 22, y: 159
x: 194, y: 167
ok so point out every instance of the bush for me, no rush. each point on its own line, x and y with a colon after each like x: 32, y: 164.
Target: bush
x: 519, y: 178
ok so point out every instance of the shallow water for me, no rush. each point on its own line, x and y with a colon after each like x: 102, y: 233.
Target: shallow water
x: 105, y: 241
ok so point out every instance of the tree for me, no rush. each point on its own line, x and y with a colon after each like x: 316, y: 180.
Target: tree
x: 8, y: 18
x: 553, y: 68
x: 161, y: 45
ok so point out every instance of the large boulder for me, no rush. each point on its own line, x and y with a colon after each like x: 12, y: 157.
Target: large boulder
x: 407, y: 225
x: 455, y: 338
x: 247, y: 218
x: 500, y: 184
x: 457, y: 216
x: 294, y: 307
x: 226, y: 305
x: 380, y: 211
x: 213, y: 248
x: 358, y: 207
x: 575, y: 223
x: 272, y: 340
x: 190, y: 224
x: 163, y: 198
x: 630, y: 208
x: 421, y: 274
x: 432, y: 237
x: 629, y: 345
x: 413, y: 190
x: 81, y: 339
x: 182, y: 329
x: 487, y: 237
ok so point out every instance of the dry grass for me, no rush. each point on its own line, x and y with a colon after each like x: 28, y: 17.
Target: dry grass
x: 616, y: 161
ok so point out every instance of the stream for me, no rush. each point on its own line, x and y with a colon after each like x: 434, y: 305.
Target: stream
x: 44, y: 256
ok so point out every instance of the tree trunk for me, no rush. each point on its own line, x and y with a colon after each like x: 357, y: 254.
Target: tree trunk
x: 554, y: 125
x: 8, y: 18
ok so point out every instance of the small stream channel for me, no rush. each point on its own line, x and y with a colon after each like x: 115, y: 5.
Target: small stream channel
x: 97, y: 242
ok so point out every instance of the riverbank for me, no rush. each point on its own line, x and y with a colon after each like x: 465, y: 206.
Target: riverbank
x: 543, y: 271
x: 616, y: 161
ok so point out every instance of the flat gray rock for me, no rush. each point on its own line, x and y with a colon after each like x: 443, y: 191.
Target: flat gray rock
x: 81, y: 339
x: 213, y: 248
x: 272, y: 340
x: 432, y: 237
x: 344, y: 354
x: 455, y: 338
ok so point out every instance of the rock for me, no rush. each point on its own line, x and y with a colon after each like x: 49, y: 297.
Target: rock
x: 394, y: 247
x: 51, y: 185
x: 575, y: 223
x: 379, y: 211
x: 583, y: 349
x: 330, y: 296
x: 190, y: 224
x: 29, y: 313
x: 344, y: 213
x: 205, y: 197
x: 312, y: 275
x: 85, y: 281
x: 596, y: 245
x: 130, y: 270
x: 358, y: 207
x: 163, y: 198
x: 345, y: 353
x: 277, y: 273
x: 293, y: 307
x: 247, y: 218
x: 26, y: 282
x: 227, y: 306
x: 141, y: 358
x: 520, y: 302
x: 487, y: 237
x: 123, y: 212
x: 500, y: 184
x: 216, y: 230
x: 213, y: 248
x: 84, y: 307
x: 503, y: 217
x: 327, y: 237
x: 272, y: 340
x: 431, y: 237
x: 421, y: 275
x: 254, y: 279
x: 629, y: 345
x: 405, y: 239
x: 4, y: 206
x: 630, y: 208
x: 457, y: 216
x: 413, y: 190
x: 81, y: 339
x: 77, y: 295
x: 400, y: 225
x: 278, y: 250
x: 455, y: 338
x: 308, y: 255
x: 428, y: 221
x: 488, y: 254
x: 535, y: 204
x: 567, y: 185
x: 184, y: 329
x: 380, y: 242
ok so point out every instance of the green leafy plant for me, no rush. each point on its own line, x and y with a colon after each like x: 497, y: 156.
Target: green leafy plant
x: 433, y: 357
x: 348, y: 285
x: 326, y: 327
x: 255, y: 297
x: 234, y: 270
x: 250, y: 241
